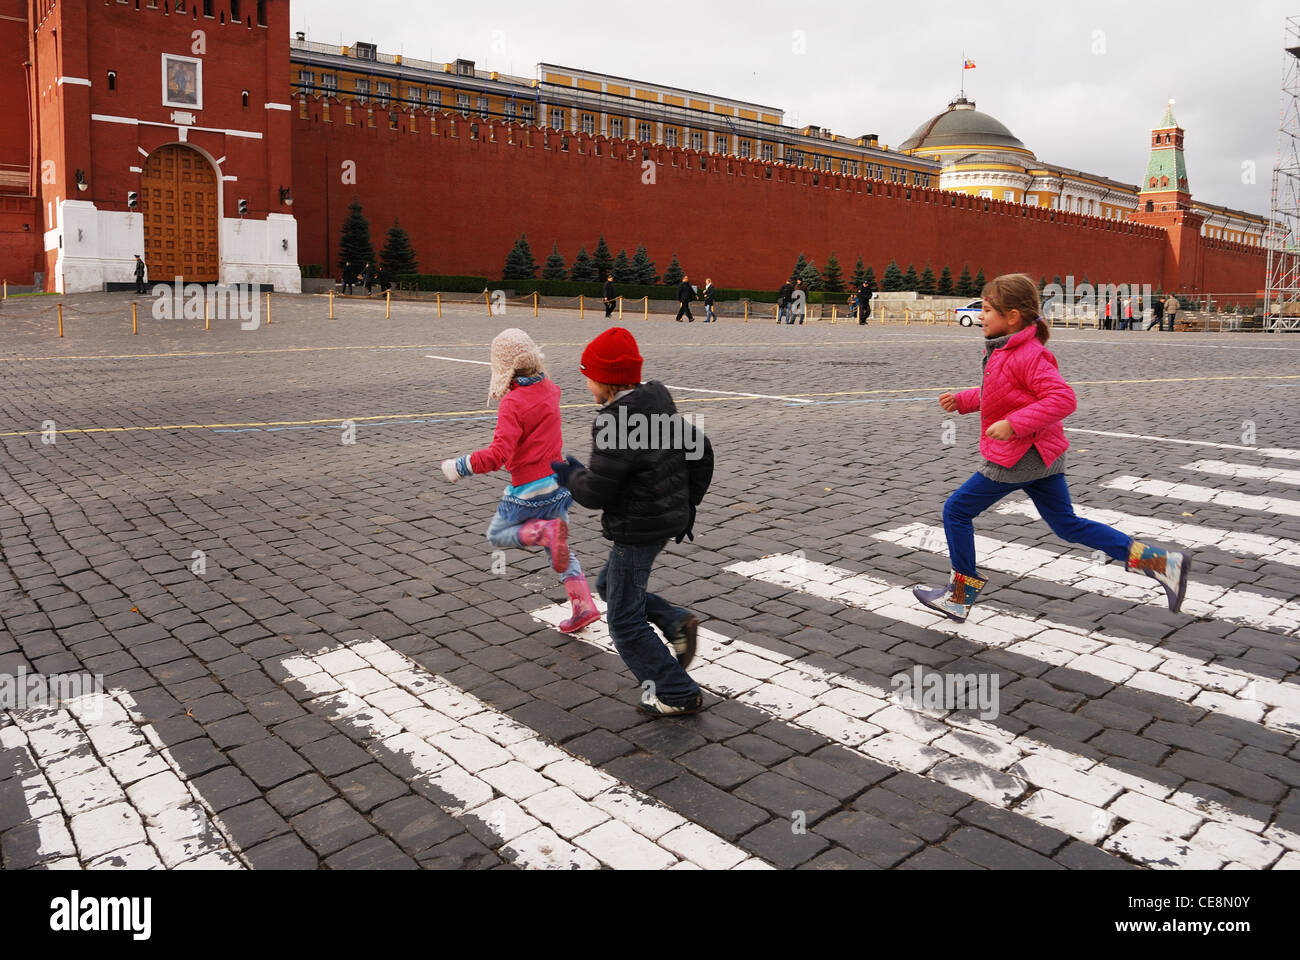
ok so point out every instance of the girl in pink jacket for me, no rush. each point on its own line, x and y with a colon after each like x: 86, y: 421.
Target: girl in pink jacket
x: 1021, y: 404
x: 534, y: 511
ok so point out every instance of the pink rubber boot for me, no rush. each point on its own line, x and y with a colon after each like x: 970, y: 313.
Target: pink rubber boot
x: 552, y: 534
x: 584, y: 608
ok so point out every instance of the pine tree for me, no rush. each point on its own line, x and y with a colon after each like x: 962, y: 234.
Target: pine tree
x: 927, y: 283
x: 945, y: 282
x: 979, y: 284
x: 832, y: 276
x: 644, y: 267
x: 1057, y: 280
x: 603, y: 259
x: 1042, y: 283
x: 859, y: 274
x: 811, y: 277
x: 910, y: 279
x: 584, y: 270
x: 870, y: 278
x: 398, y: 256
x: 555, y: 269
x: 893, y: 278
x: 520, y: 264
x: 355, y: 247
x: 799, y: 266
x: 964, y: 282
x: 672, y: 276
x: 623, y: 270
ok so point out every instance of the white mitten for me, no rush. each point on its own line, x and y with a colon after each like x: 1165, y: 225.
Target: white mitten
x: 449, y: 470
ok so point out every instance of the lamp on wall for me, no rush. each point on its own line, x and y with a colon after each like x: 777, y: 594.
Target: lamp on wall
x: 285, y: 198
x: 81, y: 181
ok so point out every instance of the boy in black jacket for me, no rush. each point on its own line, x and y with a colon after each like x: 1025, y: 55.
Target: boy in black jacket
x: 650, y: 468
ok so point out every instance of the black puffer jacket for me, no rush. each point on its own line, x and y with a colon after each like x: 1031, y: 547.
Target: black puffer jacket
x: 647, y: 495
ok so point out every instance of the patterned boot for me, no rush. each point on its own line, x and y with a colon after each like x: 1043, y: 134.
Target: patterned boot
x: 551, y: 534
x: 955, y: 600
x: 1168, y: 567
x: 584, y: 608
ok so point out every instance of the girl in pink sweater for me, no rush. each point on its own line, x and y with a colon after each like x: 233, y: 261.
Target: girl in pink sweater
x: 1021, y: 404
x: 534, y: 511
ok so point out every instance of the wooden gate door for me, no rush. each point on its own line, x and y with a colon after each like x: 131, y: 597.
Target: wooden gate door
x: 178, y: 197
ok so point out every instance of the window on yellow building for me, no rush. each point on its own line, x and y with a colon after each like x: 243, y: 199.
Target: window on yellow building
x: 743, y: 149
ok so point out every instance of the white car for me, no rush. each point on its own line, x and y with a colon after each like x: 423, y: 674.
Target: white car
x: 969, y: 315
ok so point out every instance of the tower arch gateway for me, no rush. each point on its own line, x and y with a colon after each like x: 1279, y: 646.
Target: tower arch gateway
x: 179, y: 204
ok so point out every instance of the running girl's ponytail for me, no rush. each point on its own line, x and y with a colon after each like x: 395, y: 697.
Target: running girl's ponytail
x: 1017, y: 291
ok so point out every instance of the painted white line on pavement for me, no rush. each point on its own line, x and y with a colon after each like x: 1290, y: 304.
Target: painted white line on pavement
x: 1108, y: 579
x: 1274, y: 549
x: 1244, y: 471
x: 104, y: 792
x: 552, y: 810
x: 1132, y: 663
x: 1196, y: 494
x: 1262, y: 451
x: 481, y: 363
x: 732, y: 393
x: 1050, y: 786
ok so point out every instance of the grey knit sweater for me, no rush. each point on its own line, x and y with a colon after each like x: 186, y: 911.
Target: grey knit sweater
x: 1028, y: 468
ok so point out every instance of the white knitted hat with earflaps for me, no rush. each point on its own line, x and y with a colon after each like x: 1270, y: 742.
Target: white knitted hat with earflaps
x: 512, y: 350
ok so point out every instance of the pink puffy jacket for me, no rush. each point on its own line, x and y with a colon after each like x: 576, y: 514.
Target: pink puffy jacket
x: 1023, y: 386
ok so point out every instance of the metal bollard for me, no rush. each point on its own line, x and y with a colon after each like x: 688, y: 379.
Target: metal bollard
x: 620, y: 309
x: 646, y: 301
x: 134, y: 327
x: 487, y: 301
x: 439, y: 298
x: 388, y: 305
x: 331, y: 304
x: 582, y: 307
x: 268, y: 309
x: 207, y: 319
x: 534, y: 303
x: 60, y: 321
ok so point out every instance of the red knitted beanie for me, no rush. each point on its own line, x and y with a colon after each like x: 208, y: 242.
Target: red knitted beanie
x: 613, y: 357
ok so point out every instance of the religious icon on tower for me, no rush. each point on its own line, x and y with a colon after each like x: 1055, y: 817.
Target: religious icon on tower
x: 182, y: 82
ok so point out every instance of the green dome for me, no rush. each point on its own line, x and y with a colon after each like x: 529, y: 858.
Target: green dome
x: 961, y: 124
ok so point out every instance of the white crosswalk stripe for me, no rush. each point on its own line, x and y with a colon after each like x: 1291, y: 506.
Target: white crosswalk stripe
x: 552, y: 810
x: 105, y: 792
x: 1066, y: 791
x: 1120, y: 660
x: 1245, y: 471
x: 1192, y: 493
x: 1274, y: 549
x: 1111, y: 579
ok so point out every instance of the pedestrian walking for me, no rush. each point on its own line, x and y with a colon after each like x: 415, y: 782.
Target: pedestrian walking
x: 798, y: 302
x: 707, y: 294
x: 611, y: 299
x: 534, y: 510
x: 139, y: 274
x: 685, y: 295
x: 368, y: 278
x: 349, y: 277
x: 1022, y: 402
x: 648, y: 496
x: 1171, y: 311
x: 1157, y: 314
x: 1126, y: 315
x: 384, y: 284
x: 864, y: 303
x: 1106, y: 324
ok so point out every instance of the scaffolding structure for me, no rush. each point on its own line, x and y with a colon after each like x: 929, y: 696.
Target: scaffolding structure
x: 1282, y: 293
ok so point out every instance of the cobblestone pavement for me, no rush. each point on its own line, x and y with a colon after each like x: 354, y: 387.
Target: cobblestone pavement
x: 313, y: 658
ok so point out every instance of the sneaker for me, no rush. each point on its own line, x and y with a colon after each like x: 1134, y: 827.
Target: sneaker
x: 654, y: 707
x: 683, y: 641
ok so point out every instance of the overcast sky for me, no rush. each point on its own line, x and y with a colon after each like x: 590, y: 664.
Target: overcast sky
x: 1081, y: 86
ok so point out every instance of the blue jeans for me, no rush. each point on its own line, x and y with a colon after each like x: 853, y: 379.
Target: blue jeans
x: 513, y: 512
x: 631, y: 610
x: 709, y: 315
x: 1051, y: 495
x: 783, y: 312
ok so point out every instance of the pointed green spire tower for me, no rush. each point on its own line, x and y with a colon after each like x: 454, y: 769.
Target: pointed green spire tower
x: 1165, y: 187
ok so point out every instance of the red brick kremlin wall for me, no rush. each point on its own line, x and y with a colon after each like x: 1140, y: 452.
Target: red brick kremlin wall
x: 465, y: 201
